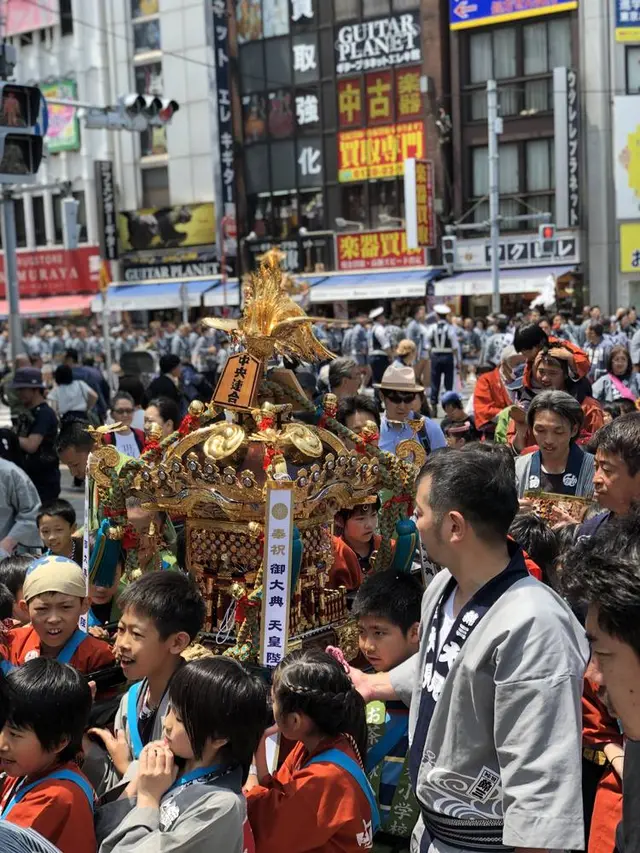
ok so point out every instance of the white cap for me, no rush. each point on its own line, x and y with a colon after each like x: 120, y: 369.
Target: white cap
x: 375, y: 313
x: 442, y: 310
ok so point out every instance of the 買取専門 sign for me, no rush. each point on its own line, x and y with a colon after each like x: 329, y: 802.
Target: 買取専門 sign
x: 478, y: 13
x: 276, y: 585
x: 627, y: 20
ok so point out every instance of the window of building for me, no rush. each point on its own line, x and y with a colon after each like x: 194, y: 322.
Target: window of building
x: 155, y: 187
x: 345, y: 10
x: 82, y: 216
x: 375, y: 8
x: 146, y: 36
x: 58, y: 237
x: 633, y: 70
x: 21, y: 231
x: 39, y: 226
x: 66, y: 18
x: 526, y: 176
x: 513, y: 55
x: 144, y: 8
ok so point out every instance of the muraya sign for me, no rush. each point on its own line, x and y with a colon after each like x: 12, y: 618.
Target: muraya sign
x: 477, y: 13
x: 382, y: 43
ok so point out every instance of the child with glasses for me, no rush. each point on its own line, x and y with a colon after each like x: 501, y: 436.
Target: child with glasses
x: 129, y: 441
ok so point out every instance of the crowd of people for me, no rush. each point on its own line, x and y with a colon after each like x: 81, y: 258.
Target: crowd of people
x: 493, y: 704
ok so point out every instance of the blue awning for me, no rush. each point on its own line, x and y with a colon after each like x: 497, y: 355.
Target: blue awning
x: 401, y: 283
x: 217, y: 298
x: 155, y: 295
x: 526, y: 280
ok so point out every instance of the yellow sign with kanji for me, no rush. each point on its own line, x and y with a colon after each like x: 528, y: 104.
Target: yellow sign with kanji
x: 369, y: 250
x: 630, y: 247
x: 378, y: 152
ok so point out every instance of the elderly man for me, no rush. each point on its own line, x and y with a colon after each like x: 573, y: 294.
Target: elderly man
x: 345, y: 377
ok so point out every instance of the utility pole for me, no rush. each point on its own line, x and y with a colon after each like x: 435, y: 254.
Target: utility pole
x: 495, y: 128
x: 9, y: 244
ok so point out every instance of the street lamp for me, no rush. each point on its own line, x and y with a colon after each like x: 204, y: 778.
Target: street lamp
x: 387, y: 219
x: 348, y: 223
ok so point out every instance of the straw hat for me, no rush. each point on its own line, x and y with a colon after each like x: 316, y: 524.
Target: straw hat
x: 399, y: 378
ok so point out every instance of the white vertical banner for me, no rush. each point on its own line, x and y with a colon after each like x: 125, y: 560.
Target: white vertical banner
x: 411, y: 203
x: 83, y: 622
x: 561, y: 145
x: 276, y: 583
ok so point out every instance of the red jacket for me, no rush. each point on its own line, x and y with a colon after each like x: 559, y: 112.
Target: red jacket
x: 490, y: 397
x: 317, y: 808
x: 346, y: 570
x: 581, y: 362
x: 91, y: 655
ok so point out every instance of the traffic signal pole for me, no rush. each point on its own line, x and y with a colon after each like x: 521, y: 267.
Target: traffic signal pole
x: 9, y: 245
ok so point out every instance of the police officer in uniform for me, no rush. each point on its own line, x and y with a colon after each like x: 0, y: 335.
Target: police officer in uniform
x: 442, y: 342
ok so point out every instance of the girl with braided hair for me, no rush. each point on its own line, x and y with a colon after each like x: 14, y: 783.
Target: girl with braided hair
x: 319, y: 801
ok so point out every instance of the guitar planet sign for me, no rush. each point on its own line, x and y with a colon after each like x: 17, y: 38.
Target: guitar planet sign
x: 382, y: 43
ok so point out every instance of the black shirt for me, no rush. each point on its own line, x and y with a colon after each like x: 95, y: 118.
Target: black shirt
x: 42, y: 466
x: 628, y: 832
x: 551, y: 482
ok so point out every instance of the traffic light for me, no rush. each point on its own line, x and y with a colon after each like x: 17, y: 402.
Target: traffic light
x: 546, y: 240
x: 449, y: 251
x: 133, y: 112
x: 21, y: 136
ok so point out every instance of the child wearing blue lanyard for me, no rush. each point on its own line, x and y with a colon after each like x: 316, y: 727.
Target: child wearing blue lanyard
x: 161, y: 613
x: 43, y: 787
x: 187, y: 792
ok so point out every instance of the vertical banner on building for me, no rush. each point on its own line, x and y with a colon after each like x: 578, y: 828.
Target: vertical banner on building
x: 276, y: 583
x: 418, y: 203
x: 626, y: 155
x: 227, y: 216
x: 566, y: 120
x: 107, y: 218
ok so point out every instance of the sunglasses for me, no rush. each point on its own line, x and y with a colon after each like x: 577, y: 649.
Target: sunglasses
x: 399, y: 397
x: 123, y: 411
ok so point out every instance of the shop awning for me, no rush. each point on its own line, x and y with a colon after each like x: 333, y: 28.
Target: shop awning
x: 527, y: 280
x: 156, y: 295
x: 216, y: 297
x: 51, y: 306
x: 373, y: 285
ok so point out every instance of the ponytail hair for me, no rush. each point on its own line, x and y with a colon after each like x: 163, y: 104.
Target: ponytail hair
x: 312, y: 682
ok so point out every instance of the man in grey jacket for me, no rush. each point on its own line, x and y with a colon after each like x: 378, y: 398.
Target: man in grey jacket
x: 495, y: 690
x: 19, y: 507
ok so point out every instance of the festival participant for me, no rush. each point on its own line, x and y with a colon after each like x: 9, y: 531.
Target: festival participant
x: 74, y: 444
x: 320, y: 798
x: 19, y: 503
x: 401, y: 396
x: 454, y: 411
x: 495, y: 740
x: 162, y: 612
x: 354, y: 544
x: 167, y: 384
x: 598, y: 348
x: 444, y: 352
x: 55, y: 593
x: 216, y: 716
x: 387, y: 610
x: 531, y: 340
x: 379, y: 343
x: 552, y: 374
x: 128, y: 440
x: 104, y: 597
x: 557, y: 464
x: 358, y: 411
x: 37, y: 428
x: 56, y: 525
x: 13, y: 571
x: 43, y: 787
x: 494, y: 391
x: 620, y: 381
x: 345, y: 377
x: 601, y: 574
x: 539, y: 541
x: 616, y: 480
x: 165, y: 413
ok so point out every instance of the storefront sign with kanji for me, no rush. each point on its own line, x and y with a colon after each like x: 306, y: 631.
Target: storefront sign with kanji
x: 418, y: 201
x: 371, y: 250
x: 383, y: 97
x: 378, y: 152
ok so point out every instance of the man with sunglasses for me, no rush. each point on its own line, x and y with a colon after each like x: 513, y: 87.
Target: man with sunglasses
x: 402, y: 398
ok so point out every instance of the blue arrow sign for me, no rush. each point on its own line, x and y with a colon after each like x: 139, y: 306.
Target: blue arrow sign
x: 464, y: 14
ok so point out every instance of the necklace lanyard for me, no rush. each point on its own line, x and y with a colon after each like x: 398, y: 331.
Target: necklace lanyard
x: 201, y: 774
x: 439, y: 663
